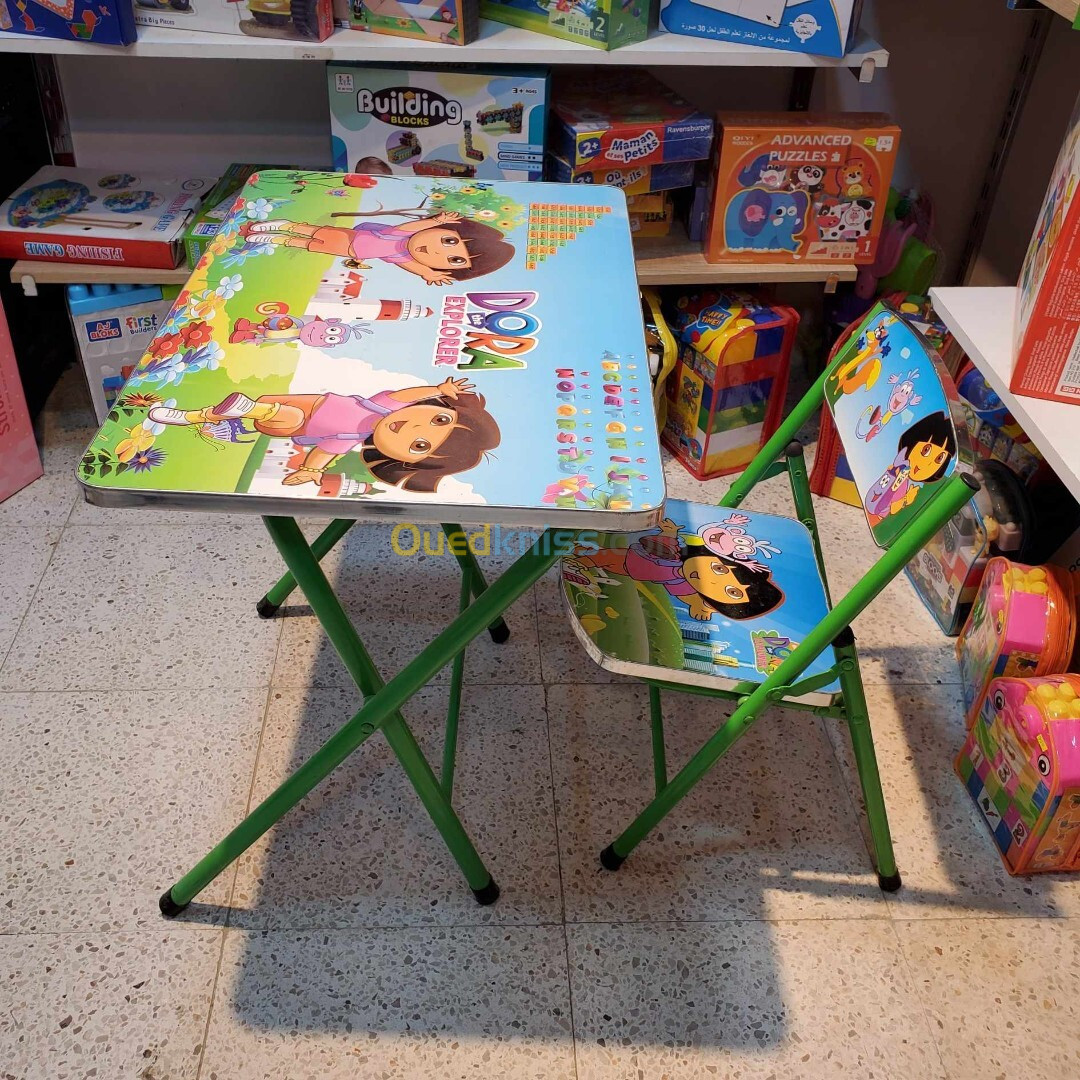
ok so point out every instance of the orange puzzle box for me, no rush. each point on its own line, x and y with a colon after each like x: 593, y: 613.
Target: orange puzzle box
x: 791, y: 186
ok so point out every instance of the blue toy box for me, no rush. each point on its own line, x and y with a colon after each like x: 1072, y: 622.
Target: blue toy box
x: 102, y: 24
x: 822, y: 27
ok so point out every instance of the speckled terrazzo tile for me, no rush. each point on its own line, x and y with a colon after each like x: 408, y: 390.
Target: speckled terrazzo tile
x: 110, y: 797
x: 441, y: 1003
x: 24, y: 554
x: 362, y: 851
x: 753, y: 1001
x: 769, y: 833
x: 947, y: 859
x: 1002, y: 997
x: 159, y: 606
x: 399, y: 604
x: 118, y: 1006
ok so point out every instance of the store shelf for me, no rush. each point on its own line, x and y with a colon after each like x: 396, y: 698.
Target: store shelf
x: 670, y: 261
x: 677, y: 261
x: 497, y: 44
x: 981, y: 320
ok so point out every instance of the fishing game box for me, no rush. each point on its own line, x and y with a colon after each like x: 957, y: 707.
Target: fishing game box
x: 85, y: 216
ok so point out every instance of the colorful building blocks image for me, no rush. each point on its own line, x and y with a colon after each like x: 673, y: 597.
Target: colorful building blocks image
x: 442, y: 167
x: 470, y: 150
x: 508, y: 116
x: 402, y: 146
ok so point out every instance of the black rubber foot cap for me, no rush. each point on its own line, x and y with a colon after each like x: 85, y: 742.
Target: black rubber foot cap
x: 265, y: 609
x: 609, y: 860
x: 488, y: 894
x: 169, y: 907
x: 500, y: 632
x: 890, y: 883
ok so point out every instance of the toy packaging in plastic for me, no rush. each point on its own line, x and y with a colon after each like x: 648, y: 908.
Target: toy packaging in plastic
x: 998, y: 521
x: 472, y: 297
x: 726, y: 394
x: 113, y: 325
x: 1023, y: 622
x: 102, y: 24
x: 215, y: 208
x: 821, y: 27
x: 85, y: 216
x: 1048, y: 299
x: 604, y: 24
x: 1021, y: 764
x: 622, y: 119
x: 636, y: 180
x: 307, y: 20
x: 470, y: 124
x: 452, y: 22
x: 791, y: 186
x: 19, y: 461
x: 652, y: 222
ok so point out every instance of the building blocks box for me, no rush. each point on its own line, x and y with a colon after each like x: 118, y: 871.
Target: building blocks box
x: 604, y: 24
x: 307, y: 20
x: 622, y: 119
x: 465, y: 123
x: 85, y: 216
x: 821, y: 27
x: 1048, y: 299
x: 791, y: 186
x: 452, y: 22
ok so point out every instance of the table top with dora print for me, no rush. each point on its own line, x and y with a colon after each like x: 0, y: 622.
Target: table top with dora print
x: 380, y: 346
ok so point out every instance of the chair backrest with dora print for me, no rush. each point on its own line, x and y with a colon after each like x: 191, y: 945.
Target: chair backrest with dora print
x: 897, y: 413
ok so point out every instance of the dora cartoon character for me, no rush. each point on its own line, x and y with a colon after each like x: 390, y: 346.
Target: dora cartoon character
x: 411, y: 437
x: 441, y: 248
x: 707, y: 582
x: 923, y: 453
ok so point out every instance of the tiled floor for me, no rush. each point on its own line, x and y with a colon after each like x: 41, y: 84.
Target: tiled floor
x: 143, y: 706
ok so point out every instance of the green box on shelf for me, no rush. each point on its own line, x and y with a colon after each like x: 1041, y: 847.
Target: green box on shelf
x: 604, y: 24
x: 215, y: 208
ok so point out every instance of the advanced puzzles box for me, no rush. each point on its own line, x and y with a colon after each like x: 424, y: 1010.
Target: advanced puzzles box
x: 468, y: 124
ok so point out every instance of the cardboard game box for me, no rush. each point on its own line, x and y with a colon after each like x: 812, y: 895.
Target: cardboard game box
x: 467, y: 124
x: 1048, y: 299
x: 307, y: 20
x: 822, y: 27
x: 102, y: 24
x: 604, y: 24
x: 19, y: 460
x: 215, y: 208
x: 453, y: 22
x: 84, y: 216
x: 624, y: 119
x: 636, y: 180
x: 791, y: 186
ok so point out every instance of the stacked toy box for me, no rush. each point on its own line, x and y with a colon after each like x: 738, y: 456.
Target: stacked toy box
x: 604, y: 24
x: 469, y: 123
x: 629, y: 130
x: 311, y: 20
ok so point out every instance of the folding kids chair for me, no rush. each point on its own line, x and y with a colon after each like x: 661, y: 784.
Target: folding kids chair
x: 735, y: 604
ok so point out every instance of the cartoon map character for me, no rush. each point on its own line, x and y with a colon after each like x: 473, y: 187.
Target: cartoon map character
x: 874, y: 418
x: 411, y: 437
x: 809, y: 178
x: 439, y: 249
x: 864, y: 367
x: 318, y: 332
x: 706, y: 582
x: 923, y: 454
x: 729, y: 539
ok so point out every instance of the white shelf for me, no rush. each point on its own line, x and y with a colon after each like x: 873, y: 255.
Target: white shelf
x: 981, y: 319
x: 497, y: 44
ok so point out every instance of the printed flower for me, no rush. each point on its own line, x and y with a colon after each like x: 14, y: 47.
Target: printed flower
x: 195, y: 334
x: 253, y: 178
x: 485, y: 215
x: 247, y: 251
x: 138, y: 440
x: 570, y: 485
x: 146, y: 460
x: 437, y: 196
x: 505, y: 224
x: 219, y: 245
x: 203, y: 305
x: 259, y: 209
x: 468, y: 189
x: 139, y: 401
x: 152, y: 426
x: 228, y: 287
x: 164, y: 345
x: 508, y: 208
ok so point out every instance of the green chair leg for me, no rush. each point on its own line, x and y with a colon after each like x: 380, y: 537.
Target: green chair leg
x: 659, y: 753
x: 862, y: 743
x: 498, y: 630
x: 268, y: 606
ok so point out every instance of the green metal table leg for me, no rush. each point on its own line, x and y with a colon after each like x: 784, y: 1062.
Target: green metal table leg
x: 453, y: 708
x: 268, y: 606
x: 862, y: 743
x: 380, y: 711
x: 498, y: 630
x: 659, y: 754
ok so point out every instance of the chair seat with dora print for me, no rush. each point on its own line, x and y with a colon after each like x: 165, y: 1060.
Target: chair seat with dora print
x: 735, y: 604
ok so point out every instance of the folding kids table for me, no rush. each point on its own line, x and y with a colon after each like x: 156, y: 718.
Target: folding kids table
x: 391, y: 348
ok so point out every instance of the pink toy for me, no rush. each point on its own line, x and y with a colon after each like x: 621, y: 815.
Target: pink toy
x: 1021, y: 765
x: 19, y: 461
x: 1022, y: 623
